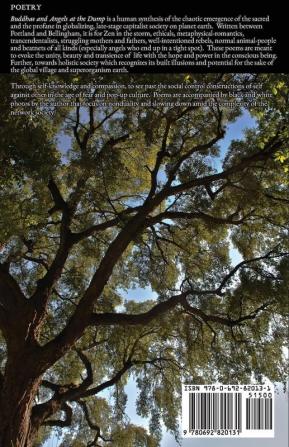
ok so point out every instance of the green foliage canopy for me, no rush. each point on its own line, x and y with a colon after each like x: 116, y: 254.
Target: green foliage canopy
x: 222, y: 323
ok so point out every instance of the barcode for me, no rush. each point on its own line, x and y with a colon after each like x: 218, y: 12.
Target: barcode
x: 216, y: 411
x: 259, y: 414
x: 222, y: 410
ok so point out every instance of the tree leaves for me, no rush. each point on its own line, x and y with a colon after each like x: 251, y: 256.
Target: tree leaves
x: 128, y: 164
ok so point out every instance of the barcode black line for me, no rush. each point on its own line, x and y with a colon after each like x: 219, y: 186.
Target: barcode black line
x: 215, y: 411
x: 259, y: 414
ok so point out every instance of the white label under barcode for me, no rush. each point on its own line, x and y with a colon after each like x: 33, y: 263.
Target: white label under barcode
x: 238, y: 411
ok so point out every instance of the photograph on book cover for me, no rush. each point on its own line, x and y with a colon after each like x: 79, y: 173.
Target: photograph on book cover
x: 144, y: 250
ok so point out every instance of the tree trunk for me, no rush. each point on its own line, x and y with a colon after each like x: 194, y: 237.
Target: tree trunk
x: 22, y: 376
x: 20, y: 386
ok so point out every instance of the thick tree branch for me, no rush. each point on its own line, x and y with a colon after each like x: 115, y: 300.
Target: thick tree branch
x: 213, y: 194
x: 232, y: 219
x: 124, y: 319
x: 62, y: 394
x: 91, y: 424
x: 67, y: 392
x: 59, y: 202
x: 61, y: 423
x: 11, y: 296
x: 108, y: 383
x: 82, y: 143
x: 76, y: 127
x: 160, y: 156
x: 89, y: 373
x: 1, y: 381
x: 145, y: 318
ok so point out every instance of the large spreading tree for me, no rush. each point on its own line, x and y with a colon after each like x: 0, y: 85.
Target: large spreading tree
x: 140, y: 200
